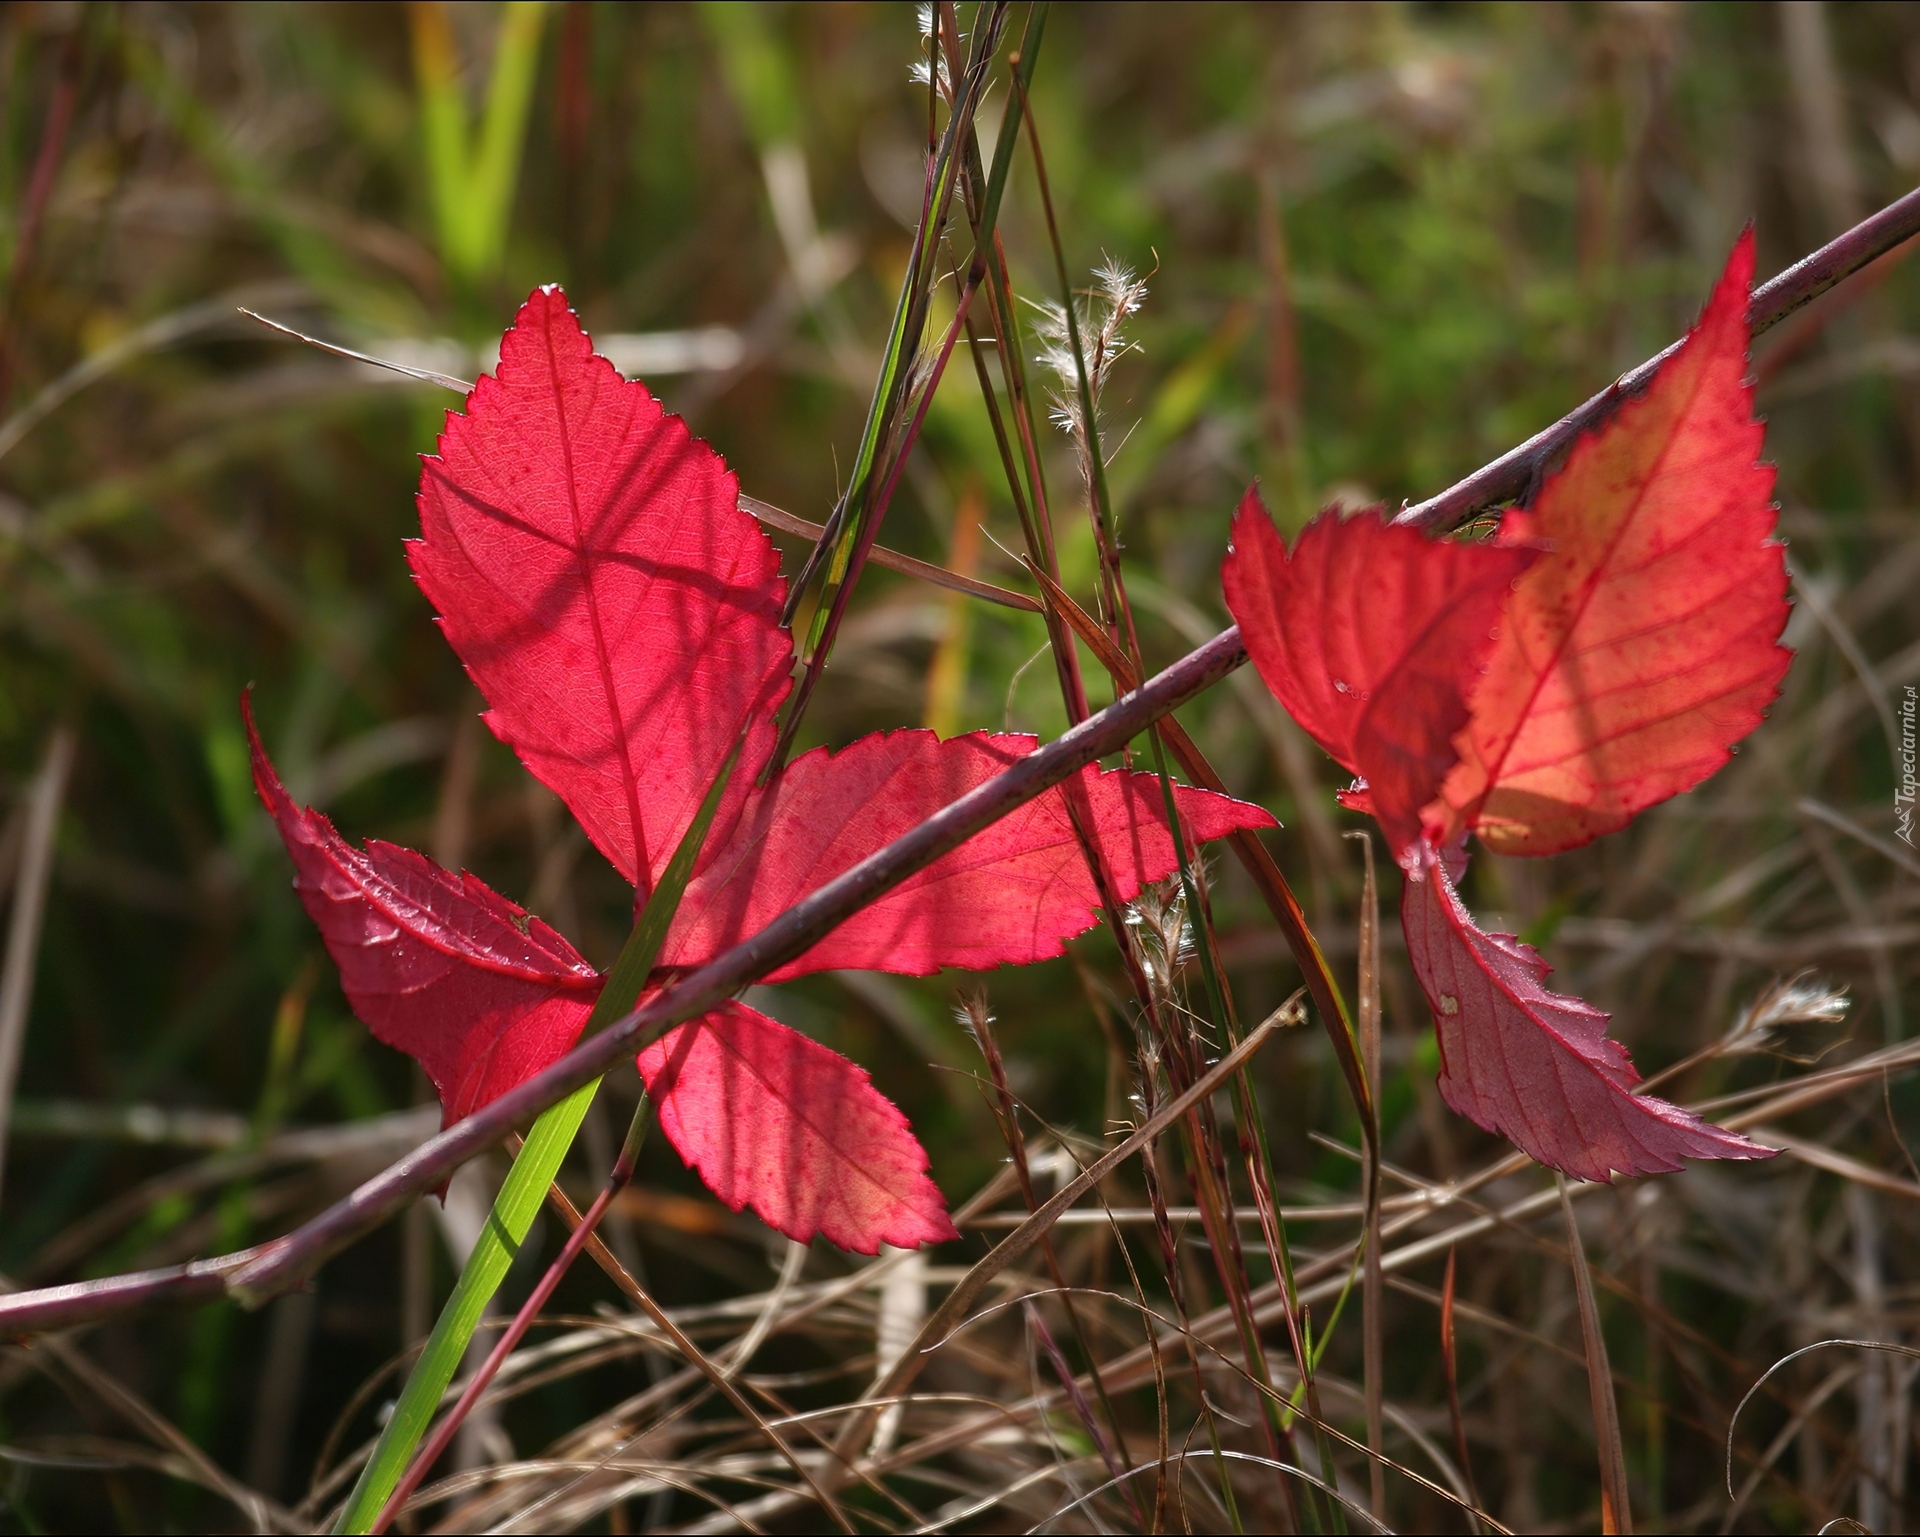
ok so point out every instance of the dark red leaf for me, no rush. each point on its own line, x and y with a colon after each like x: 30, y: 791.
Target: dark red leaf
x: 1635, y: 654
x: 1013, y: 894
x: 592, y: 567
x: 777, y: 1122
x: 1370, y: 636
x: 476, y: 990
x: 1535, y: 1066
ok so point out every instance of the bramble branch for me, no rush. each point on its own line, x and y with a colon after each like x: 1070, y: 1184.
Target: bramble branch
x: 1510, y: 476
x: 287, y: 1262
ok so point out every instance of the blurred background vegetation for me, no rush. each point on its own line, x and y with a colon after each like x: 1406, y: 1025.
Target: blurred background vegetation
x: 1385, y: 242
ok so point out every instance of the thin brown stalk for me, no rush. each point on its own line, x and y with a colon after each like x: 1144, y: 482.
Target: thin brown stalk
x: 720, y: 1377
x: 136, y: 1411
x: 32, y: 207
x: 1024, y: 1238
x: 1450, y: 1364
x: 1273, y: 888
x: 893, y: 560
x: 1176, y: 1285
x: 1248, y: 849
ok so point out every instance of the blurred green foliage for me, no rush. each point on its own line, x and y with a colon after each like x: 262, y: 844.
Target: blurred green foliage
x: 1387, y: 242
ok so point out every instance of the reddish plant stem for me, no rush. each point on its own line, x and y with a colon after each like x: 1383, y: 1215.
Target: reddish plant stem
x: 509, y: 1340
x: 33, y: 204
x: 288, y: 1261
x: 1515, y: 471
x: 618, y: 1180
x: 817, y: 663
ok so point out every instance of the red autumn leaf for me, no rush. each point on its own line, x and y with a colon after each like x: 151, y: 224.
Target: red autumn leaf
x: 594, y: 572
x: 484, y: 995
x: 1370, y: 636
x: 777, y: 1122
x: 1625, y: 662
x: 592, y: 567
x: 476, y: 990
x: 1536, y: 1066
x: 1013, y: 894
x: 1635, y: 654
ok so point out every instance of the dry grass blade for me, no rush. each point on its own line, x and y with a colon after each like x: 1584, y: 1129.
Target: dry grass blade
x: 721, y: 1377
x: 1372, y: 1291
x: 63, y: 1356
x: 1733, y: 1421
x: 893, y: 560
x: 1616, y: 1514
x: 48, y: 790
x: 1028, y: 1235
x: 1450, y: 1366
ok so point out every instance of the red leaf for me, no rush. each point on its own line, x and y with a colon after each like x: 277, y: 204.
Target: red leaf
x: 777, y: 1122
x: 1370, y: 635
x: 621, y: 614
x: 1535, y: 1066
x: 1635, y: 655
x: 1012, y: 894
x: 482, y: 995
x: 485, y: 996
x: 593, y: 569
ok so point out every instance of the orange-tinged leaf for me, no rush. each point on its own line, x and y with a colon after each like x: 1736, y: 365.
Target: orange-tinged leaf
x: 1371, y: 637
x: 1645, y: 644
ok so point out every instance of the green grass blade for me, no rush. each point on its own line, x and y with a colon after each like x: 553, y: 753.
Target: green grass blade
x: 513, y: 1212
x: 526, y: 1185
x: 473, y: 182
x: 495, y: 168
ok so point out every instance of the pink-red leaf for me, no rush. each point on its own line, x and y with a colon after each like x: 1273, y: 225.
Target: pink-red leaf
x: 1536, y: 1066
x: 1370, y: 636
x: 1012, y: 894
x: 1634, y: 655
x: 777, y: 1122
x: 481, y: 994
x: 592, y: 567
x: 484, y: 996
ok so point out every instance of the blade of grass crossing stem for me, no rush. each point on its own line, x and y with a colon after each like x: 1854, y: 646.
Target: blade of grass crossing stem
x: 1372, y: 1287
x: 1615, y: 1513
x: 524, y: 1189
x: 443, y: 1436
